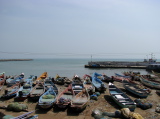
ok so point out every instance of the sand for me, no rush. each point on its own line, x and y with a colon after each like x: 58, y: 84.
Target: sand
x: 104, y: 102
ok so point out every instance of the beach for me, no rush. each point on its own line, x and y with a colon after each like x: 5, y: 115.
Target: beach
x: 104, y: 103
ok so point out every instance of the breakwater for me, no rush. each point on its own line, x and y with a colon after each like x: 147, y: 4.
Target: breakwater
x: 4, y: 60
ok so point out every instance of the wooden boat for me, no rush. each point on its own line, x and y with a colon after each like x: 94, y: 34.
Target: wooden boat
x: 16, y: 79
x: 88, y: 85
x: 48, y: 83
x: 150, y: 84
x: 24, y: 91
x: 120, y: 78
x: 107, y: 79
x: 59, y: 80
x: 37, y: 91
x: 151, y: 77
x: 11, y: 91
x: 121, y: 98
x: 135, y: 89
x: 67, y: 82
x: 96, y: 81
x: 80, y: 101
x: 24, y: 116
x: 47, y: 99
x: 41, y: 78
x: 2, y: 80
x: 65, y: 97
x: 77, y: 84
x: 2, y: 75
x: 30, y: 78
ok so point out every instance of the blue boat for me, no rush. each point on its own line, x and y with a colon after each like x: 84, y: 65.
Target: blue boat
x: 96, y: 81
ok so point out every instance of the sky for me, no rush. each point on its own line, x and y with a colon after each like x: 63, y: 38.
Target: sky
x: 79, y: 28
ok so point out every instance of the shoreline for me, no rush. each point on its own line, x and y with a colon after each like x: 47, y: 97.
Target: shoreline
x: 4, y: 60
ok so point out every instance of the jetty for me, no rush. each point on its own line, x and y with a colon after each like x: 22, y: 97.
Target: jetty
x: 5, y: 60
x: 121, y: 64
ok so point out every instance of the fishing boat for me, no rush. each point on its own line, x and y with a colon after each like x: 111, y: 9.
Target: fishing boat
x: 19, y: 78
x: 41, y: 78
x: 88, y: 85
x: 150, y: 84
x: 96, y: 81
x: 80, y: 101
x: 65, y: 97
x: 37, y: 91
x: 77, y: 84
x: 120, y: 78
x: 24, y: 116
x: 47, y: 99
x: 121, y: 98
x: 2, y: 80
x: 151, y: 77
x: 24, y: 91
x: 30, y: 78
x: 107, y: 79
x: 60, y: 80
x: 11, y: 91
x: 48, y: 83
x: 135, y: 89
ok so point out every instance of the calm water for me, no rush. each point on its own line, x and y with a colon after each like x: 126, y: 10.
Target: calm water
x: 63, y: 67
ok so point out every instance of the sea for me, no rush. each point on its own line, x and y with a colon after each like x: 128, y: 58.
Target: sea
x: 65, y: 67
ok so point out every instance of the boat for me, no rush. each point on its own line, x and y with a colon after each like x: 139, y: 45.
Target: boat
x: 37, y: 91
x: 80, y: 101
x: 24, y: 91
x: 121, y: 98
x: 150, y: 84
x: 19, y: 78
x: 120, y: 78
x: 96, y: 81
x: 88, y: 85
x: 151, y: 77
x: 48, y: 83
x: 2, y: 79
x: 107, y: 79
x: 41, y: 78
x: 30, y: 78
x: 135, y: 89
x: 47, y: 99
x: 77, y: 84
x: 11, y: 91
x: 134, y: 75
x: 24, y: 116
x: 65, y: 97
x: 59, y: 80
x: 153, y: 67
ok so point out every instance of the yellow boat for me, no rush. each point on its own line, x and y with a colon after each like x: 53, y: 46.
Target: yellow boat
x: 41, y: 77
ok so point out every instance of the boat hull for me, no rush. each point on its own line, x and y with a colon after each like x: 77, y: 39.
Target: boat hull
x: 131, y: 107
x: 141, y: 95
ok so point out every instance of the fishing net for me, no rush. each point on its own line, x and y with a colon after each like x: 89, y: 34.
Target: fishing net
x: 25, y: 91
x: 125, y: 112
x: 135, y: 116
x: 16, y: 107
x: 48, y: 96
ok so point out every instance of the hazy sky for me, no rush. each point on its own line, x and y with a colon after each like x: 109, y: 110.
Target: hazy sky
x: 79, y: 28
